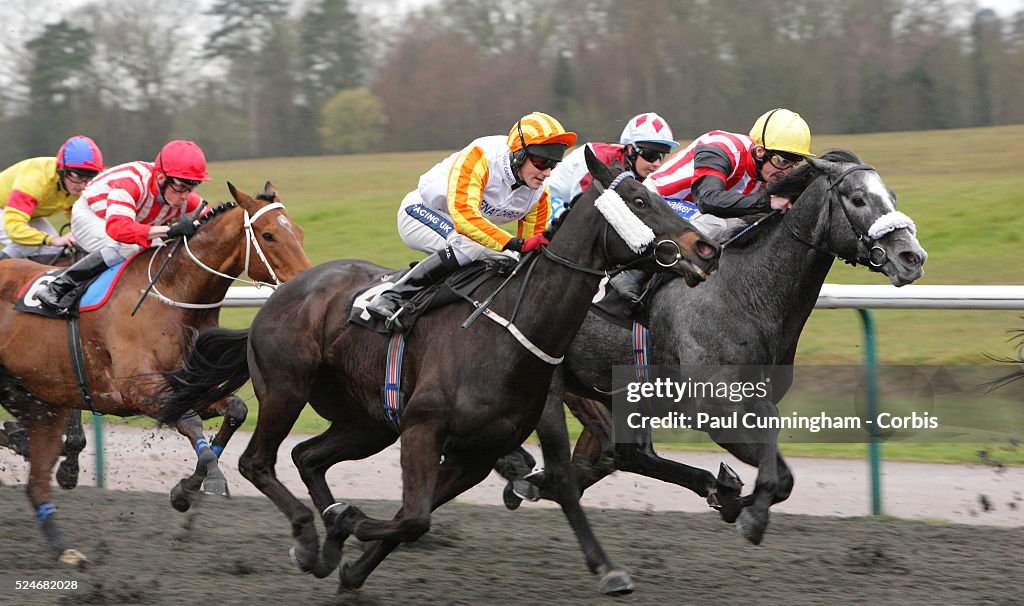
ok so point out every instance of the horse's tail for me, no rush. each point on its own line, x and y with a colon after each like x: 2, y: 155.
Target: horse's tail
x: 1019, y: 359
x: 1006, y: 379
x: 216, y: 366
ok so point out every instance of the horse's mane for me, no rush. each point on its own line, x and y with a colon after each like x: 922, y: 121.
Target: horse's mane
x: 792, y: 186
x: 797, y: 181
x: 556, y: 222
x: 219, y: 209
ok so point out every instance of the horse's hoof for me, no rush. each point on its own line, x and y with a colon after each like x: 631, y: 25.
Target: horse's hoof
x: 346, y: 582
x: 72, y: 557
x: 67, y: 474
x: 511, y: 499
x: 293, y: 555
x: 180, y: 499
x: 217, y: 487
x: 752, y: 525
x: 616, y: 582
x: 729, y: 507
x: 526, y: 490
x: 728, y: 478
x: 17, y: 438
x: 725, y: 496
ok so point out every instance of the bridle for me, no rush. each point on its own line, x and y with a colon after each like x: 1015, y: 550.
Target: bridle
x: 251, y: 244
x: 614, y: 211
x: 874, y: 256
x: 647, y: 253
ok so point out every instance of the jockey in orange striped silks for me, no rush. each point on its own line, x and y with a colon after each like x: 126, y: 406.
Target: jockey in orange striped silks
x: 454, y: 213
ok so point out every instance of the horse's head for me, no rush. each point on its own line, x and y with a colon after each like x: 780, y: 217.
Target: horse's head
x: 640, y: 228
x: 271, y: 241
x: 851, y: 213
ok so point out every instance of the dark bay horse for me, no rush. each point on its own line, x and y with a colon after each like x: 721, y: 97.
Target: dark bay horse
x: 473, y: 394
x: 750, y: 312
x: 37, y: 382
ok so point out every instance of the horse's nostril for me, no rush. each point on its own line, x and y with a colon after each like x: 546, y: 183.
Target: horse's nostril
x: 706, y: 250
x: 910, y: 258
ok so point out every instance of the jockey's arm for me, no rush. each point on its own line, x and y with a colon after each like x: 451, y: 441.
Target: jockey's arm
x: 17, y: 214
x: 466, y: 183
x: 123, y: 228
x: 711, y: 165
x: 536, y: 221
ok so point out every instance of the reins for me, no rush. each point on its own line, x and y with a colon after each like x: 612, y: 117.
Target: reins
x: 530, y: 262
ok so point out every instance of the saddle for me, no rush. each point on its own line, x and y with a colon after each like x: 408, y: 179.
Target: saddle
x: 609, y: 304
x: 91, y: 295
x: 458, y: 286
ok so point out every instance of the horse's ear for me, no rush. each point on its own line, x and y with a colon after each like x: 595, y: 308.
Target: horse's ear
x: 269, y: 189
x: 239, y: 195
x: 597, y: 168
x: 824, y: 166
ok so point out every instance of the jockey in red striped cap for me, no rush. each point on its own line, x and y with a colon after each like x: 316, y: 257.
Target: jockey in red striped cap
x: 37, y: 188
x: 642, y: 146
x: 454, y: 213
x: 723, y: 175
x: 130, y: 207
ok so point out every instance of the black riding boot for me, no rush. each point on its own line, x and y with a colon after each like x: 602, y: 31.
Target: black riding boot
x: 630, y: 283
x: 428, y: 271
x: 89, y: 267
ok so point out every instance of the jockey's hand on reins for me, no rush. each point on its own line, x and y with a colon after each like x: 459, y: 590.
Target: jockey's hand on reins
x: 184, y: 226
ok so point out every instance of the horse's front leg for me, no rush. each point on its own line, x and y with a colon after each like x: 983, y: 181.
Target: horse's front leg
x: 455, y: 476
x: 45, y: 431
x: 774, y: 484
x: 421, y: 462
x: 74, y: 444
x: 357, y: 439
x: 207, y: 474
x: 723, y: 493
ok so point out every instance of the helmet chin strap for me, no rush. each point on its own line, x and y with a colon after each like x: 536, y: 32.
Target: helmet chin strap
x: 631, y: 158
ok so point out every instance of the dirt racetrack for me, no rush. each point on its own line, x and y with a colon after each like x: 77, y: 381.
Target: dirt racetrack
x: 235, y: 552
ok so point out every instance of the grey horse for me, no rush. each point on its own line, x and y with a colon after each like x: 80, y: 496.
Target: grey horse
x: 751, y: 312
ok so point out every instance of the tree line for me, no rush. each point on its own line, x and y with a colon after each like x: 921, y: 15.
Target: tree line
x: 259, y: 78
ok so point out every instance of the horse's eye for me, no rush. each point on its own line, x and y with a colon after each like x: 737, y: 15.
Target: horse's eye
x: 640, y: 202
x: 857, y: 201
x: 269, y: 237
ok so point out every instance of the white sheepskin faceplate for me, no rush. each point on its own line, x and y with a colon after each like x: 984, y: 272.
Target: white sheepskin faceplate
x: 629, y: 227
x: 891, y: 222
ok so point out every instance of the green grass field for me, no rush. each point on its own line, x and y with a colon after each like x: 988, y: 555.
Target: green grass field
x: 962, y: 187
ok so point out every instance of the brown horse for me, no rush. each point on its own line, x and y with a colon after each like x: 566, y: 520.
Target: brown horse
x: 37, y: 381
x: 474, y: 393
x: 13, y: 434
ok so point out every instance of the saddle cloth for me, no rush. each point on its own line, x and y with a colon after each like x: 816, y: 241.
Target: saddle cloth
x: 613, y: 307
x: 89, y: 297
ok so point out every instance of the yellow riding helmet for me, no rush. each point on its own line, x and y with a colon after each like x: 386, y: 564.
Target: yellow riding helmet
x: 783, y: 130
x: 539, y: 129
